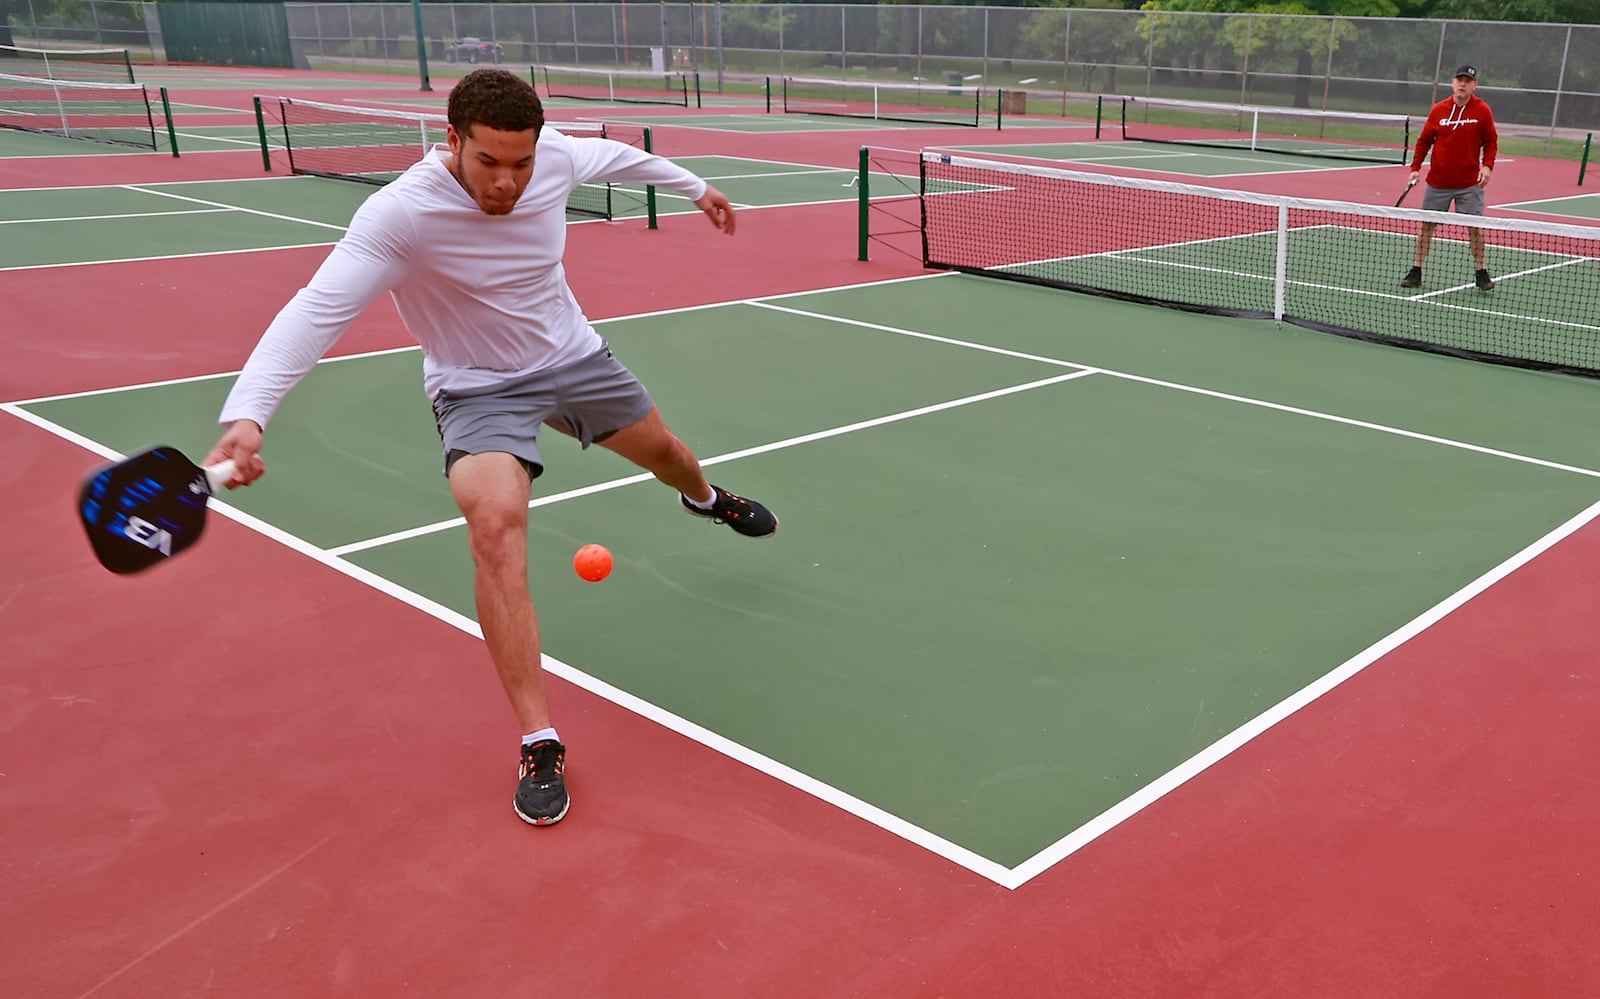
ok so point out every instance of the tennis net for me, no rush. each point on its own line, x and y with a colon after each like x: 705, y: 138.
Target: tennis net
x: 101, y: 112
x: 376, y: 145
x: 1337, y: 135
x: 91, y: 65
x: 1326, y: 265
x: 619, y: 85
x: 923, y: 103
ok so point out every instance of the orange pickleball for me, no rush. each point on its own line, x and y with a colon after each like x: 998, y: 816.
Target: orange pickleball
x: 593, y: 562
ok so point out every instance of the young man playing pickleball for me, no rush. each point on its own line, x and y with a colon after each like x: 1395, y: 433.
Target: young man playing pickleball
x: 469, y: 244
x: 1460, y: 129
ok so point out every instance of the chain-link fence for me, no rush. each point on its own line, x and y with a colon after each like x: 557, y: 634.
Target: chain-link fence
x: 1539, y: 78
x: 120, y: 24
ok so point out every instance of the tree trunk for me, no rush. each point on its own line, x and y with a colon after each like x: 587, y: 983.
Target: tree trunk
x: 5, y: 23
x: 1302, y: 81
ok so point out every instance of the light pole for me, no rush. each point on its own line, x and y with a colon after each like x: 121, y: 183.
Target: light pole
x: 422, y: 46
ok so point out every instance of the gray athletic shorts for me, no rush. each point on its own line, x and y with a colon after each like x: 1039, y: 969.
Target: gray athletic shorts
x: 590, y: 399
x: 1469, y: 200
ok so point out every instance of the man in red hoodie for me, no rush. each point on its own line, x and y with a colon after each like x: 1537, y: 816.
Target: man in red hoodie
x: 1459, y: 128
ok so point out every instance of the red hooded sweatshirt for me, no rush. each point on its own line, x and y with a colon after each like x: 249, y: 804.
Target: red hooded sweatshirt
x: 1456, y: 133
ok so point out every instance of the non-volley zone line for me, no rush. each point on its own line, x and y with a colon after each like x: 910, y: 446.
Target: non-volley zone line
x: 879, y: 421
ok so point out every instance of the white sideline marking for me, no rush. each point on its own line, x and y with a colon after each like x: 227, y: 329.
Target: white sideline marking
x: 1030, y: 868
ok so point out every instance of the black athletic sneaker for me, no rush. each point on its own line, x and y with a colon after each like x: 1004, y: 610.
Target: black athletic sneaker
x: 1413, y: 278
x: 1484, y: 281
x: 541, y: 793
x: 743, y: 515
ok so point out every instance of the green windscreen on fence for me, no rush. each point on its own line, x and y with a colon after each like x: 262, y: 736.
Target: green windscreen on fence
x: 227, y: 34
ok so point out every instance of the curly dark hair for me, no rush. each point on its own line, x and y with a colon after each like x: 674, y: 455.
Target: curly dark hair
x: 496, y: 98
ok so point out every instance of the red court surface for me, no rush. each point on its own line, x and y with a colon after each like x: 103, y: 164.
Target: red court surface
x: 250, y: 775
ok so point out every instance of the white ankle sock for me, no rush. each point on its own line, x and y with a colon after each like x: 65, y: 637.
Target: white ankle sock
x: 699, y: 505
x: 540, y: 736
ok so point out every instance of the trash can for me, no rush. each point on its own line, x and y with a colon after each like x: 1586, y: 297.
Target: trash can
x: 658, y: 59
x: 953, y: 79
x: 1013, y: 102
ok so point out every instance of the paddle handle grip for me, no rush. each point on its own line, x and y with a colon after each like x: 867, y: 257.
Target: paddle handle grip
x: 219, y: 475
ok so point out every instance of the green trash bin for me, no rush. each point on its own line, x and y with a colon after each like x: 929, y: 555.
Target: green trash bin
x: 953, y: 79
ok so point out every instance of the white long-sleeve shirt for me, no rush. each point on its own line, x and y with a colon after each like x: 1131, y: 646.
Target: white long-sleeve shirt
x: 485, y: 296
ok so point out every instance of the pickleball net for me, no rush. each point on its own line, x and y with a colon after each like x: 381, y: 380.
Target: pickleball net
x: 86, y: 65
x: 1338, y: 135
x: 376, y: 145
x: 925, y: 103
x: 1325, y: 265
x: 118, y: 113
x: 582, y: 83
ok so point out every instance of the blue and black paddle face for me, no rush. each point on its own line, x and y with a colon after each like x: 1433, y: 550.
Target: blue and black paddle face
x: 144, y: 509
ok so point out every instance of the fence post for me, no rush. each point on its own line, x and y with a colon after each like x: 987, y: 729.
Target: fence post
x: 1150, y: 55
x: 1327, y: 76
x: 1244, y: 73
x: 1561, y: 80
x: 985, y: 46
x: 1438, y: 66
x: 1066, y: 63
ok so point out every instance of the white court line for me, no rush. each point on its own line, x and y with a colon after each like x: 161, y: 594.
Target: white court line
x: 1225, y: 746
x: 1006, y: 877
x: 1196, y: 390
x: 887, y: 821
x: 90, y: 393
x: 1506, y: 277
x: 213, y: 109
x: 125, y: 215
x: 236, y: 208
x: 198, y: 137
x: 443, y: 525
x: 116, y: 390
x: 166, y: 183
x: 163, y: 256
x: 1135, y: 158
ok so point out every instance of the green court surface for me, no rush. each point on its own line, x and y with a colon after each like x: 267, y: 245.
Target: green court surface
x: 191, y: 138
x: 159, y: 220
x: 1582, y: 206
x: 1027, y: 567
x: 15, y: 143
x: 1197, y: 162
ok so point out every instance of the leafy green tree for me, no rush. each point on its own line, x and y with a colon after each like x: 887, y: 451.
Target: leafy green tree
x: 1101, y: 37
x: 1556, y: 11
x: 1267, y: 44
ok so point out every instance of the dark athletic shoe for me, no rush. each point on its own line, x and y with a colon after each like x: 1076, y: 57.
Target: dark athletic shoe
x: 1413, y: 278
x: 1483, y: 281
x: 743, y: 515
x: 541, y: 793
